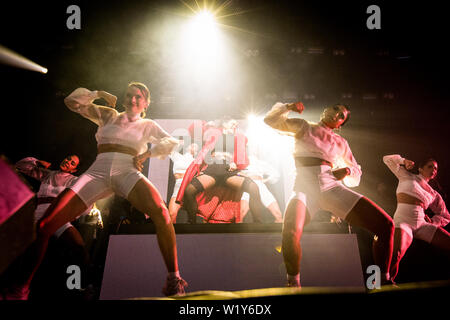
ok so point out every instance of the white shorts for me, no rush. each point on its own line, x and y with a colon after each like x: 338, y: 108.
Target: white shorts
x: 39, y: 213
x: 267, y: 197
x: 176, y: 187
x: 111, y: 172
x: 411, y: 219
x: 318, y: 189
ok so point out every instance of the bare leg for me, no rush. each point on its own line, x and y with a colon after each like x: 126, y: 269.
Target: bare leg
x: 66, y: 208
x: 173, y: 210
x: 368, y: 215
x: 295, y: 219
x: 276, y: 212
x: 146, y: 198
x: 402, y: 241
x: 244, y: 205
x: 441, y: 239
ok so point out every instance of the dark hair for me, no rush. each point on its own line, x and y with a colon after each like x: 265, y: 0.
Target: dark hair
x: 337, y: 105
x: 434, y: 183
x: 422, y: 164
x: 348, y: 111
x: 79, y: 160
x: 425, y: 161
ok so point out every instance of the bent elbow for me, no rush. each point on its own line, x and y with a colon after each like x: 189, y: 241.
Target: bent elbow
x: 387, y: 159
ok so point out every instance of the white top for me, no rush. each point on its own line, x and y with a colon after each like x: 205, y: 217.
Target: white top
x: 416, y: 186
x: 53, y: 182
x: 316, y: 140
x: 117, y: 128
x: 181, y: 161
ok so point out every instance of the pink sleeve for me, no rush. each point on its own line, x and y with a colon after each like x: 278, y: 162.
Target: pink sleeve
x: 441, y: 217
x: 30, y: 167
x: 354, y: 178
x: 394, y: 163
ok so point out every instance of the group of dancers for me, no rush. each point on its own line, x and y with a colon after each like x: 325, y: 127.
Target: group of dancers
x: 122, y: 140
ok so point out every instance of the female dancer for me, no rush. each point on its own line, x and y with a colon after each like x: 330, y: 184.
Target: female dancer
x: 414, y: 195
x: 317, y: 150
x: 120, y: 137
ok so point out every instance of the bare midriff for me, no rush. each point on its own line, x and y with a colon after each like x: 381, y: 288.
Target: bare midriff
x: 109, y: 147
x: 406, y: 198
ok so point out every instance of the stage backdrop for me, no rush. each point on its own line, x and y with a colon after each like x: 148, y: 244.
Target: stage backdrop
x: 263, y: 143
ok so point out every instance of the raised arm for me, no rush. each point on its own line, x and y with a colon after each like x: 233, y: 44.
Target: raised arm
x: 81, y: 101
x: 277, y: 117
x: 397, y: 164
x: 33, y: 167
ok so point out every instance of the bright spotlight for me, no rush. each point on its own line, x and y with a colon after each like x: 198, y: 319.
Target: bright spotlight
x: 202, y: 33
x: 201, y: 47
x: 204, y: 19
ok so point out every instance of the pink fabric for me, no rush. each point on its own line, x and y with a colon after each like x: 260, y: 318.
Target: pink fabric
x: 13, y: 192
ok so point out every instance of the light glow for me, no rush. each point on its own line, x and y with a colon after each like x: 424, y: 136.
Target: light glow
x: 14, y: 59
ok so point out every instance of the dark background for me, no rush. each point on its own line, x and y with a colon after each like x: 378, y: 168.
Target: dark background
x: 397, y: 76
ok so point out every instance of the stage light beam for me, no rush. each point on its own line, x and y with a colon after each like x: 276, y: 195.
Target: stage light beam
x: 11, y: 58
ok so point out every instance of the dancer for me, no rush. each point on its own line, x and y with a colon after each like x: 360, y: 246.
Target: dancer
x: 120, y: 137
x: 53, y: 182
x: 317, y: 150
x: 218, y: 164
x: 261, y: 172
x: 180, y: 164
x: 414, y: 195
